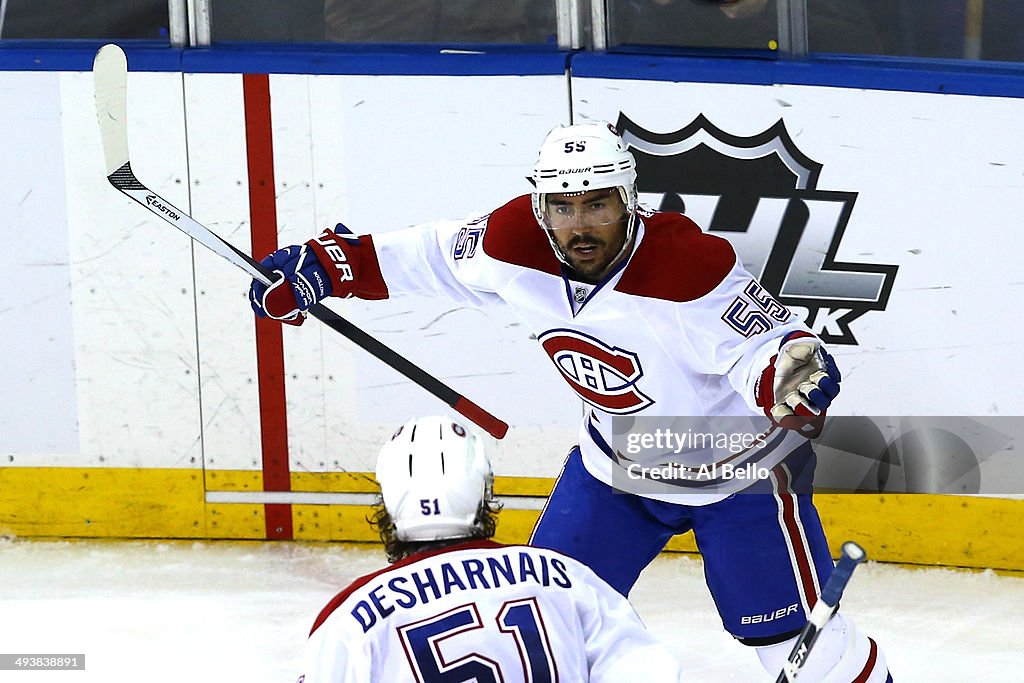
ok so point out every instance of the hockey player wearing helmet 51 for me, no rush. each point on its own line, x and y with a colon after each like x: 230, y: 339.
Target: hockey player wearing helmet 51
x: 643, y: 314
x: 504, y: 613
x: 436, y: 485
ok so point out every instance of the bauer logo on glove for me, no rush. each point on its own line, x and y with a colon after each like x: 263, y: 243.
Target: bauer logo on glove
x: 335, y: 263
x: 302, y: 282
x: 799, y: 384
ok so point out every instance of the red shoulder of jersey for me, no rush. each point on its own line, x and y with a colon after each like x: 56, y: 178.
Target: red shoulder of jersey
x: 513, y: 236
x: 676, y: 261
x: 341, y: 597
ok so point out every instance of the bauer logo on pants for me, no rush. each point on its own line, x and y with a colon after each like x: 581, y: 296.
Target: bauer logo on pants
x: 761, y: 194
x: 602, y: 375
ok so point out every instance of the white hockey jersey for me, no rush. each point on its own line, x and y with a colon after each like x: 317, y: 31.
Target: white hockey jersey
x: 483, y: 612
x: 678, y: 329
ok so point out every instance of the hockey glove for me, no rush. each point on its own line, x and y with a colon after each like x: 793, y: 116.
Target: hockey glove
x: 303, y: 282
x: 326, y: 265
x: 798, y: 385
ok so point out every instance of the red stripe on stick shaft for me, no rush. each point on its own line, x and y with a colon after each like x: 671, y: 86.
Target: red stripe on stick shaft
x: 481, y: 417
x: 269, y: 339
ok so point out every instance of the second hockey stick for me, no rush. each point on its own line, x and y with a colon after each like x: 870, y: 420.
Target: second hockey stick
x: 822, y: 611
x: 110, y: 74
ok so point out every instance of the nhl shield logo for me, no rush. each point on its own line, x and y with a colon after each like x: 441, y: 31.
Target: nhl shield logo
x: 760, y: 192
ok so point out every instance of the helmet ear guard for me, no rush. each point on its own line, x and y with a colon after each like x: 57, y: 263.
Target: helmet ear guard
x: 434, y: 477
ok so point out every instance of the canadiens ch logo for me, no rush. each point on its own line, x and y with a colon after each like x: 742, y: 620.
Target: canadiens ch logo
x: 761, y: 194
x: 602, y: 375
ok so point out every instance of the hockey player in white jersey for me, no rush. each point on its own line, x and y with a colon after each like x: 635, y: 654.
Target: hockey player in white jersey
x: 455, y: 606
x: 643, y: 314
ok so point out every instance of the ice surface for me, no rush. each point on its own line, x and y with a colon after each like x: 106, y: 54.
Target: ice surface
x: 227, y: 611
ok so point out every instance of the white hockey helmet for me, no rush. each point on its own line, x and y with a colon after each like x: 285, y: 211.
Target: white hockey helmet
x: 579, y: 158
x: 434, y: 475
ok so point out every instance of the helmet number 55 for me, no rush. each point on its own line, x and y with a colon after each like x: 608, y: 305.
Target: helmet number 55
x: 578, y: 146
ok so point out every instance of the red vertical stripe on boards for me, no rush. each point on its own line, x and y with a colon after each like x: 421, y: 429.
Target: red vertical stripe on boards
x: 269, y: 340
x: 278, y: 518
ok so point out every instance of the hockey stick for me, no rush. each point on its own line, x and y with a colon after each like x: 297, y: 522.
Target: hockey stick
x: 110, y: 76
x: 823, y: 610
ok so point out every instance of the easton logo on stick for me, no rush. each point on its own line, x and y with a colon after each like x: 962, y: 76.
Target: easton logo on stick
x: 110, y: 76
x: 155, y: 202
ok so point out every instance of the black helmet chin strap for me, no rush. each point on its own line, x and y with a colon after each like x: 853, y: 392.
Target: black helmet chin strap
x: 559, y: 254
x: 630, y: 231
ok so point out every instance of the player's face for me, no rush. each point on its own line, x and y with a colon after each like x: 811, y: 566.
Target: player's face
x: 589, y: 228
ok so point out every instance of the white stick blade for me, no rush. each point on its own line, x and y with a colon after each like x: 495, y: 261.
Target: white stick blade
x: 110, y: 82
